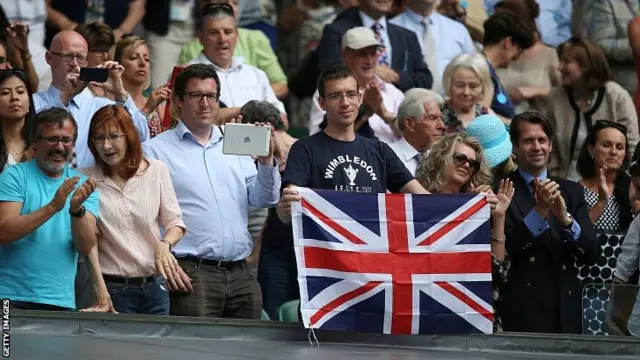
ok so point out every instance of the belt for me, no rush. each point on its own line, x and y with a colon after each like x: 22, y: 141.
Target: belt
x: 222, y: 265
x: 128, y: 280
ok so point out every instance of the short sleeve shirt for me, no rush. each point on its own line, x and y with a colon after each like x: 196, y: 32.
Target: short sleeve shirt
x: 40, y: 267
x: 362, y: 165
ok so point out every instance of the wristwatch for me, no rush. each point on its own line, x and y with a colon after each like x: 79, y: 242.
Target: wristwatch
x: 78, y: 214
x: 570, y: 222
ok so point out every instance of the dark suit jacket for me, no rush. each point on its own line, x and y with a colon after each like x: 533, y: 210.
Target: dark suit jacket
x: 542, y: 293
x: 406, y: 56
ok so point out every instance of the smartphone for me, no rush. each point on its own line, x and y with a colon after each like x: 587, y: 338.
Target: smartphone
x: 246, y: 139
x: 94, y: 74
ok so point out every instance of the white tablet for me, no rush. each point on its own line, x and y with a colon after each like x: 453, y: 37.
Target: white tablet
x: 246, y: 139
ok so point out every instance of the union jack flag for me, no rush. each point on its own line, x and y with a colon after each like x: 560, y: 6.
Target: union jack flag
x: 394, y: 263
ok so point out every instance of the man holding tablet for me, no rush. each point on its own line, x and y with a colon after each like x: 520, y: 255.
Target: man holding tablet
x: 214, y: 191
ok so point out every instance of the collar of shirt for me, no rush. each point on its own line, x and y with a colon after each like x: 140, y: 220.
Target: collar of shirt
x: 407, y: 150
x: 236, y: 62
x: 528, y: 177
x: 368, y: 22
x: 53, y: 92
x: 419, y: 19
x: 184, y: 133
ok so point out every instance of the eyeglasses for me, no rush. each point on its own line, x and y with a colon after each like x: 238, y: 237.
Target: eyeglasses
x: 196, y: 97
x: 461, y: 159
x: 69, y: 57
x: 101, y: 139
x: 603, y: 124
x: 350, y: 95
x: 2, y: 59
x: 54, y: 140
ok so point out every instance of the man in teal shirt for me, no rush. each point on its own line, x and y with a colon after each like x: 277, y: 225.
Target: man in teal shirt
x: 253, y: 47
x: 48, y: 214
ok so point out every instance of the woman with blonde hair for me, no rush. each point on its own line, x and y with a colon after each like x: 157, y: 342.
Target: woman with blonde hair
x: 457, y: 164
x: 466, y: 82
x: 132, y: 53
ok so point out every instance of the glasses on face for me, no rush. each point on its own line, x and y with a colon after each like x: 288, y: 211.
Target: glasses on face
x: 461, y: 159
x: 196, y: 97
x: 68, y: 57
x: 3, y: 59
x: 350, y: 95
x: 102, y: 139
x: 54, y: 140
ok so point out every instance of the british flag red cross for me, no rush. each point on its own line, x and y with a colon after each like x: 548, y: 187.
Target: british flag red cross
x: 394, y: 263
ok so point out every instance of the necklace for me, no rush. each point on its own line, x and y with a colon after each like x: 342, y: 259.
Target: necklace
x: 15, y: 153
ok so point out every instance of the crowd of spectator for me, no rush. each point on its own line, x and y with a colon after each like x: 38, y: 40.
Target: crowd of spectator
x: 116, y: 196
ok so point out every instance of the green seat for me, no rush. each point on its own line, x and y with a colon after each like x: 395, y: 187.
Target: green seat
x: 265, y: 316
x: 289, y: 311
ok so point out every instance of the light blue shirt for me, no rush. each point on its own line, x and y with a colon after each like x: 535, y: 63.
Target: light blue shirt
x: 40, y: 267
x: 368, y: 22
x: 554, y: 22
x: 83, y: 106
x: 451, y: 37
x: 214, y: 192
x: 536, y: 224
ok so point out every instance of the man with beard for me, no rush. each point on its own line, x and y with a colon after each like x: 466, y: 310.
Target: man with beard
x: 547, y: 228
x: 48, y: 214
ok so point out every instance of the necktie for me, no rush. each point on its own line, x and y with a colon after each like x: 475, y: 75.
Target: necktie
x: 429, y: 53
x: 383, y: 59
x: 419, y: 156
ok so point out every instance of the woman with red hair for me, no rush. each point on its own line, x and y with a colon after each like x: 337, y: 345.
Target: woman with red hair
x: 132, y: 266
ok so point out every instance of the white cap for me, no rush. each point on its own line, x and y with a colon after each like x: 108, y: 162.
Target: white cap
x: 359, y: 38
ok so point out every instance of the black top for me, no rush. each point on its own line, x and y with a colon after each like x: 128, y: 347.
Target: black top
x: 322, y: 162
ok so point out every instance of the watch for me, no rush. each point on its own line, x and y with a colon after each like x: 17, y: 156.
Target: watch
x: 570, y: 222
x: 78, y: 214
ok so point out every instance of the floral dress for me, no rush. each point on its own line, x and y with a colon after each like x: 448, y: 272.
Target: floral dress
x: 500, y: 270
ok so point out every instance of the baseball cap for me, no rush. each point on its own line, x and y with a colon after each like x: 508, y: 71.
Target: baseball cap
x: 359, y: 38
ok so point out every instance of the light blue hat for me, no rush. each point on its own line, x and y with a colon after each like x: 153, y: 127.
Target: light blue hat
x: 494, y: 137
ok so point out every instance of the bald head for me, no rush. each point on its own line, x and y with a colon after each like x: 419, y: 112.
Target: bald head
x: 67, y: 52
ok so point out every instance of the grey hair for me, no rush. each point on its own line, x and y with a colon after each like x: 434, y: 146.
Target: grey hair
x: 474, y: 62
x: 262, y: 111
x: 413, y: 104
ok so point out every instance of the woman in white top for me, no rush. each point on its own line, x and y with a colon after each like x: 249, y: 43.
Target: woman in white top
x: 16, y: 117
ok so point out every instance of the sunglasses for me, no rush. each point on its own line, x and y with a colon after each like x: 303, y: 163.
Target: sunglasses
x: 213, y: 9
x: 3, y: 59
x: 461, y: 159
x: 603, y: 124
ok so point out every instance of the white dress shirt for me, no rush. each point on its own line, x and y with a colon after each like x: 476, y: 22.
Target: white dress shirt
x: 407, y: 154
x: 242, y: 83
x: 451, y: 37
x: 391, y: 98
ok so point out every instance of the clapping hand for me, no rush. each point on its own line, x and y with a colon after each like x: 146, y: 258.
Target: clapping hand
x: 82, y: 194
x: 61, y: 196
x: 603, y: 188
x: 505, y: 195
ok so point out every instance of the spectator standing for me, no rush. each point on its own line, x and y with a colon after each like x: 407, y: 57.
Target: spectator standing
x: 240, y: 82
x: 380, y: 99
x: 67, y: 54
x: 16, y: 118
x: 132, y: 266
x: 48, y: 215
x: 214, y: 199
x: 400, y: 62
x: 253, y: 48
x: 468, y: 88
x: 33, y: 14
x: 420, y: 121
x: 132, y: 53
x: 608, y: 21
x: 602, y: 163
x: 529, y: 78
x: 587, y: 93
x: 546, y: 229
x: 506, y: 36
x: 440, y: 38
